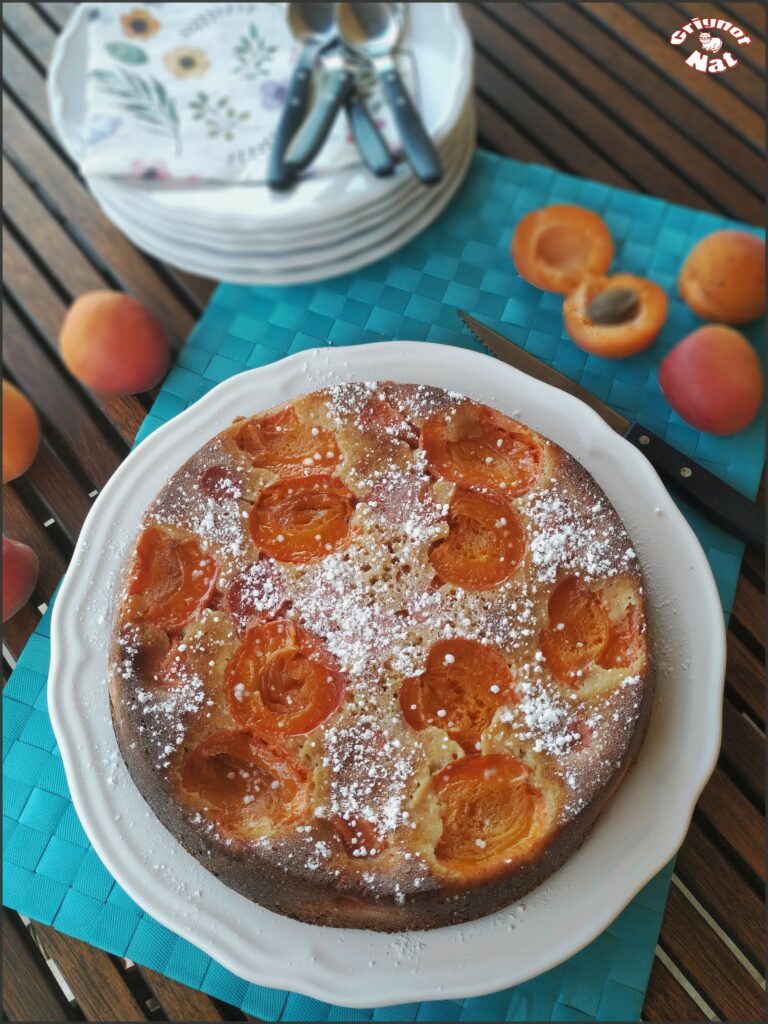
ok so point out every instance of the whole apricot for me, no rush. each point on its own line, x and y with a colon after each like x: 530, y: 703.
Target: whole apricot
x: 113, y: 344
x: 723, y: 277
x: 21, y: 432
x: 20, y: 568
x: 713, y: 380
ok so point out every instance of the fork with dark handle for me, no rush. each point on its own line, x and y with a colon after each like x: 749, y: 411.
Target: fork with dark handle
x: 336, y: 86
x: 280, y: 176
x: 369, y: 140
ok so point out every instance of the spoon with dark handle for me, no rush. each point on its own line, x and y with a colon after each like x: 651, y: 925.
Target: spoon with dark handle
x: 372, y: 31
x: 313, y: 25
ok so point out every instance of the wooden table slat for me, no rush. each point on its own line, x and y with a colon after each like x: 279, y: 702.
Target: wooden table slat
x: 652, y: 45
x: 643, y: 168
x: 749, y: 610
x: 739, y: 824
x: 717, y: 884
x: 31, y: 290
x: 744, y: 87
x: 97, y: 984
x: 19, y: 522
x: 742, y: 751
x: 179, y: 1002
x: 30, y: 991
x: 713, y: 970
x: 560, y: 145
x: 719, y: 167
x: 666, y: 999
x: 31, y: 29
x: 85, y: 220
x: 67, y: 420
x: 745, y: 677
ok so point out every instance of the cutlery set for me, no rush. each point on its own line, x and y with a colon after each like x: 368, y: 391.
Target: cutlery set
x: 344, y: 38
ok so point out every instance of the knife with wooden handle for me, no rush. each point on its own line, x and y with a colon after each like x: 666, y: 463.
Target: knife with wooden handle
x: 723, y: 503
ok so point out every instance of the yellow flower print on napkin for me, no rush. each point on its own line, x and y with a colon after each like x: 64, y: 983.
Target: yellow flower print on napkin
x: 186, y: 62
x: 139, y: 24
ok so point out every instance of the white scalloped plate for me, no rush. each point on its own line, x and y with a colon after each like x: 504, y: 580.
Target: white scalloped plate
x: 636, y: 836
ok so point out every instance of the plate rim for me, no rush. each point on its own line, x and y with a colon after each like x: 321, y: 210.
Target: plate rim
x: 317, y: 982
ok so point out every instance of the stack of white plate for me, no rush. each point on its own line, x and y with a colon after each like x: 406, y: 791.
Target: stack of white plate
x: 326, y: 225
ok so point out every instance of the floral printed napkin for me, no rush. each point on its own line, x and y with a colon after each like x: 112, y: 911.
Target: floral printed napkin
x: 192, y: 92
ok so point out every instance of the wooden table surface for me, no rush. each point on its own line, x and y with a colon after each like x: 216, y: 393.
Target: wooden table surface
x: 591, y: 88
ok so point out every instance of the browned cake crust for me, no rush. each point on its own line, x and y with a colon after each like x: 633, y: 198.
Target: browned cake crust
x: 368, y: 837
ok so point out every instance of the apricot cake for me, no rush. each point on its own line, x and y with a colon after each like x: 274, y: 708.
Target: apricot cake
x: 380, y: 657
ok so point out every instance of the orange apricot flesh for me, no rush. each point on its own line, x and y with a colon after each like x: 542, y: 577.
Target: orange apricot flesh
x: 629, y: 333
x: 556, y: 247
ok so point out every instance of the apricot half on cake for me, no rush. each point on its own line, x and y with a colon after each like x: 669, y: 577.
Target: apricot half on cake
x: 462, y: 686
x: 478, y: 447
x: 282, y: 680
x: 171, y: 579
x: 285, y: 445
x: 237, y: 773
x: 615, y: 316
x: 556, y: 247
x: 492, y: 813
x: 485, y: 543
x: 300, y: 518
x: 581, y: 633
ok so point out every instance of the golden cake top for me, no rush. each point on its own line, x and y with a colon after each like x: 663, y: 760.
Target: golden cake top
x: 386, y: 629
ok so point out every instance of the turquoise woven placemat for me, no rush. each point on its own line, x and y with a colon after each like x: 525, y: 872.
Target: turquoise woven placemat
x: 52, y: 873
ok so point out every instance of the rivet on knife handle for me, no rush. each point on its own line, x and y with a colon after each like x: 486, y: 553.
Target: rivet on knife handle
x: 723, y: 503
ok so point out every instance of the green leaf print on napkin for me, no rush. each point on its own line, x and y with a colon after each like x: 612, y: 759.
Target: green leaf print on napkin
x: 145, y: 98
x: 254, y: 54
x: 221, y: 118
x: 126, y: 53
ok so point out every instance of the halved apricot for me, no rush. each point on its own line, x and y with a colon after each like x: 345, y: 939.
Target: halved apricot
x: 301, y: 518
x: 460, y: 689
x: 255, y: 594
x: 578, y: 630
x: 283, y: 444
x: 556, y: 247
x: 485, y: 543
x: 171, y: 579
x: 282, y: 680
x: 475, y: 446
x: 491, y: 810
x: 615, y: 316
x: 358, y: 835
x: 240, y: 775
x: 624, y: 641
x: 220, y: 484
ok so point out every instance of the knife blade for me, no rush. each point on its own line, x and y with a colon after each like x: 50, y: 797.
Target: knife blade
x: 723, y: 503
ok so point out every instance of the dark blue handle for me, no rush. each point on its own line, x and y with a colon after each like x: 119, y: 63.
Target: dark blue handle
x: 369, y: 140
x: 279, y: 176
x: 417, y: 145
x: 309, y: 139
x: 723, y: 503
